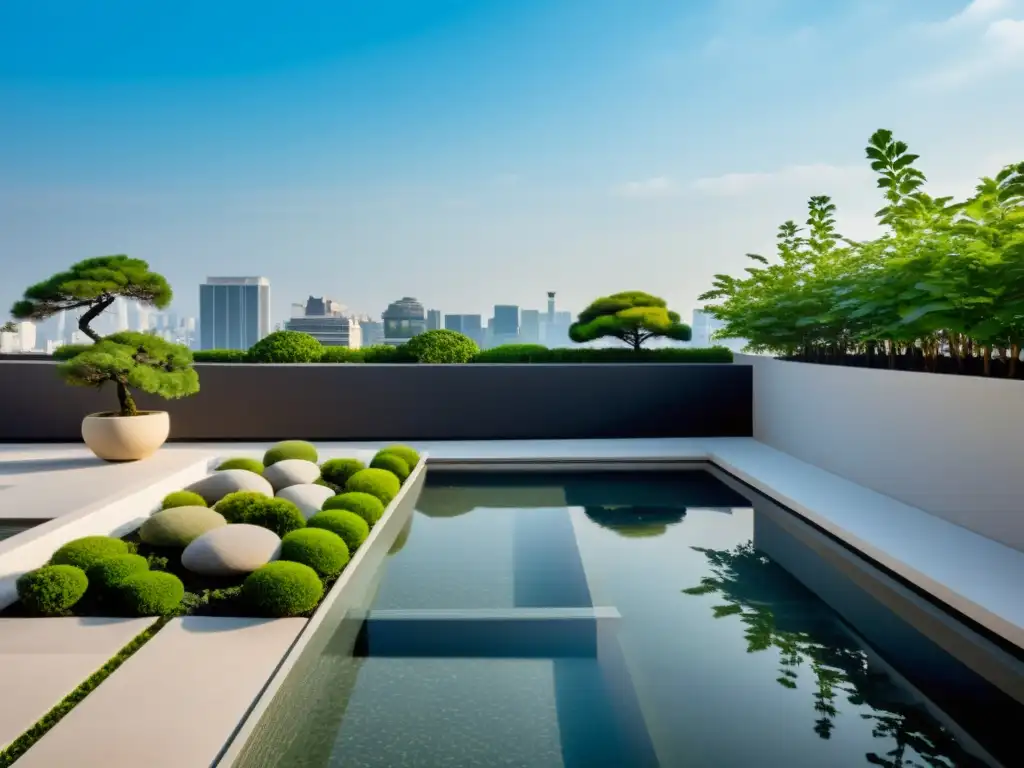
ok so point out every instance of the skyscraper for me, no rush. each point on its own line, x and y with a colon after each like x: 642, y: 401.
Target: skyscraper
x: 529, y: 326
x: 433, y: 319
x: 505, y: 324
x: 403, y: 319
x: 234, y: 312
x: 469, y: 325
x: 122, y: 314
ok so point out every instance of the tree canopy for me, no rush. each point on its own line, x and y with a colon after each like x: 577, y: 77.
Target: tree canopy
x: 942, y: 284
x: 93, y: 284
x: 631, y: 316
x: 134, y: 360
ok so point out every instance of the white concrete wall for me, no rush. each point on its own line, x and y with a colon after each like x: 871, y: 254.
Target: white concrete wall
x: 950, y: 445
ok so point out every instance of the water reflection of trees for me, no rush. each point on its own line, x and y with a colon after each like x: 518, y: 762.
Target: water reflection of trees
x: 778, y: 612
x: 636, y: 522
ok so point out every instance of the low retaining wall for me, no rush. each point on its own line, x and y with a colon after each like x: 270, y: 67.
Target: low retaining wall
x: 405, y: 402
x: 950, y: 445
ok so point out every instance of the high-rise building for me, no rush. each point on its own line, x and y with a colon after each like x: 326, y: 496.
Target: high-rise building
x: 122, y: 314
x: 469, y: 325
x: 403, y: 319
x: 505, y: 324
x: 529, y: 326
x: 234, y: 312
x: 324, y: 321
x: 433, y: 319
x: 556, y: 331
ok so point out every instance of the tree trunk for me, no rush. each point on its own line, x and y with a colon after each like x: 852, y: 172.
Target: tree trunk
x: 1014, y: 359
x: 986, y: 354
x: 94, y: 311
x: 127, y: 402
x: 892, y: 355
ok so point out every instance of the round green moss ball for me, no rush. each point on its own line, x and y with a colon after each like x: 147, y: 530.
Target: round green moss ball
x: 376, y: 482
x: 352, y: 529
x: 409, y: 455
x: 368, y: 507
x: 323, y: 551
x: 278, y: 515
x: 282, y: 588
x: 151, y: 593
x: 179, y: 526
x: 336, y: 472
x: 52, y: 589
x: 182, y: 499
x: 107, y: 573
x: 253, y: 465
x: 393, y: 464
x: 290, y: 449
x: 89, y: 550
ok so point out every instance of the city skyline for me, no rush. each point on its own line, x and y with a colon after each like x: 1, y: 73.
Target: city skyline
x: 372, y: 149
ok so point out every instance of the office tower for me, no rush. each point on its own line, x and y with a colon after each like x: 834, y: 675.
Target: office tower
x: 122, y: 314
x: 324, y: 321
x: 469, y: 325
x: 529, y: 326
x: 403, y: 319
x: 373, y: 332
x: 505, y: 327
x: 433, y: 319
x: 234, y: 312
x: 556, y: 330
x: 142, y: 319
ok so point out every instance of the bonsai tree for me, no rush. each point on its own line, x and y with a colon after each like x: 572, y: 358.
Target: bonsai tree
x: 135, y: 360
x: 632, y: 316
x: 93, y: 285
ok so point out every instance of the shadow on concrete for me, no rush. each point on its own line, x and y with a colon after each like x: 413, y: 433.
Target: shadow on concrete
x: 29, y: 466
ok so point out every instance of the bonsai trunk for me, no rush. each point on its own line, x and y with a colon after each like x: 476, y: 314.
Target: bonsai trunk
x: 94, y: 311
x: 127, y: 402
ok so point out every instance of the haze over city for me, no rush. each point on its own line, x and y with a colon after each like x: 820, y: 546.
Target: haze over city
x: 473, y: 153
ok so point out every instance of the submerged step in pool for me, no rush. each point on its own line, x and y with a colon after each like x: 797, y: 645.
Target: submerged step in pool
x: 622, y: 619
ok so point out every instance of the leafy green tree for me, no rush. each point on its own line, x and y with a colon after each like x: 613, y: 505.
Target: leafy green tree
x: 137, y: 361
x: 94, y: 285
x: 631, y: 316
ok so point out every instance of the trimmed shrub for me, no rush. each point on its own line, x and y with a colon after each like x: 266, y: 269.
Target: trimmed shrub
x: 52, y: 589
x: 182, y: 499
x: 285, y: 347
x: 290, y: 449
x: 89, y: 550
x: 277, y: 515
x: 368, y: 507
x: 107, y: 573
x: 319, y: 548
x: 376, y: 482
x: 240, y: 462
x: 151, y: 593
x: 282, y: 589
x: 385, y: 353
x: 512, y: 353
x: 441, y: 346
x: 409, y: 455
x: 349, y: 526
x: 393, y: 463
x: 341, y: 355
x: 336, y: 472
x: 179, y: 526
x: 219, y: 356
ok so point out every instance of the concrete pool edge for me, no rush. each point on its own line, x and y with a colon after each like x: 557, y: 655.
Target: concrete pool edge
x: 346, y: 596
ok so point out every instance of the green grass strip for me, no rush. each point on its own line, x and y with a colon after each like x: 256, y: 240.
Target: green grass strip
x: 27, y: 740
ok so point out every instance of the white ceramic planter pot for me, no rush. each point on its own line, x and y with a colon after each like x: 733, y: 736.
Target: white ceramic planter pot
x: 125, y: 438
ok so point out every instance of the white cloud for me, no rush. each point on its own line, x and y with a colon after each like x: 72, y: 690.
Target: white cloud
x: 998, y: 50
x: 658, y: 186
x: 975, y: 13
x: 820, y: 174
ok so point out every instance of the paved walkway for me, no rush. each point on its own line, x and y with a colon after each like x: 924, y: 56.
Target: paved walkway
x: 176, y: 702
x: 43, y: 660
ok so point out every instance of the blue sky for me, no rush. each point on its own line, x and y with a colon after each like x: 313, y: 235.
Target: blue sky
x: 473, y: 152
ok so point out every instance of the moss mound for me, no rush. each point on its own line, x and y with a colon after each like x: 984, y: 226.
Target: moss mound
x: 376, y: 482
x: 178, y: 526
x: 85, y: 552
x: 112, y: 571
x: 52, y: 589
x: 240, y: 462
x: 151, y: 593
x: 278, y: 515
x: 282, y: 589
x: 409, y: 455
x: 393, y: 464
x: 368, y: 507
x: 336, y: 472
x: 290, y: 449
x: 182, y: 499
x: 322, y: 550
x: 349, y: 526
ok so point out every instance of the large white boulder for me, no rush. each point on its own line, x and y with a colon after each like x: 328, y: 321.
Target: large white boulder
x: 179, y: 526
x: 291, y: 472
x: 309, y: 498
x: 215, y: 487
x: 232, y: 550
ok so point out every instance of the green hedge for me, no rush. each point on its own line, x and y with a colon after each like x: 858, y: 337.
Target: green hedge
x: 219, y: 356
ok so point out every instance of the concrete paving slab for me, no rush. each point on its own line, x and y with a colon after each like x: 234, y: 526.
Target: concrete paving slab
x: 176, y: 702
x: 43, y: 660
